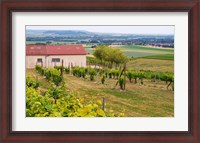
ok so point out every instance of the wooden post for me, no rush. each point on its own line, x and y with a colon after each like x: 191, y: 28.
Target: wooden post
x: 62, y: 69
x: 119, y: 76
x: 124, y: 76
x: 103, y: 103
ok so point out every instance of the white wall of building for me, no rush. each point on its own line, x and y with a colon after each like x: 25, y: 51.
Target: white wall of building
x: 68, y: 60
x: 31, y: 61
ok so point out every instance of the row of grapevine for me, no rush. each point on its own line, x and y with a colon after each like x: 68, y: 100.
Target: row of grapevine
x: 52, y: 74
x: 110, y: 73
x: 30, y: 82
x: 81, y: 72
x: 130, y: 74
x: 57, y: 102
x: 65, y: 69
x: 167, y: 77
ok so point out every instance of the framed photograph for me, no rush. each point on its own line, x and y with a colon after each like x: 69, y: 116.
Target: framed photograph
x: 100, y: 71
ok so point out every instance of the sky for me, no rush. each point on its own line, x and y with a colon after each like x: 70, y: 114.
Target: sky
x: 150, y: 30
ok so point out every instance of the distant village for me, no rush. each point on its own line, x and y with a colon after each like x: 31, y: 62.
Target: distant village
x: 84, y: 37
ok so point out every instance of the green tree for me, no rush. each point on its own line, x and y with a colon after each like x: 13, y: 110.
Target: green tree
x: 100, y: 53
x: 111, y: 55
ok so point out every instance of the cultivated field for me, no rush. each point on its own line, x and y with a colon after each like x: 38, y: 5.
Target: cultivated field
x: 156, y: 65
x: 139, y: 51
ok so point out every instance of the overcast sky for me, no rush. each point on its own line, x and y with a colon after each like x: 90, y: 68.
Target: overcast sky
x: 166, y: 30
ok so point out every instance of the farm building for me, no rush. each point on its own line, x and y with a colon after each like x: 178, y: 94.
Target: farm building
x: 52, y: 55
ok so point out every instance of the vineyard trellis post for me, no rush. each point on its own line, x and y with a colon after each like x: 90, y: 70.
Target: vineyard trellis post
x: 123, y: 71
x: 103, y: 103
x: 124, y: 76
x: 62, y: 70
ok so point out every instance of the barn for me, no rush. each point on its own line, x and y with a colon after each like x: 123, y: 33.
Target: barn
x: 52, y: 55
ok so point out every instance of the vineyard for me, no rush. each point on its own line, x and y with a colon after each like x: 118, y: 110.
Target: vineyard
x: 98, y: 92
x: 56, y: 101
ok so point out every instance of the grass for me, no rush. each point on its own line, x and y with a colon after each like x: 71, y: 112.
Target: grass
x: 139, y: 51
x: 161, y: 57
x: 89, y: 50
x: 151, y: 64
x: 148, y: 100
x: 137, y: 100
x: 136, y: 54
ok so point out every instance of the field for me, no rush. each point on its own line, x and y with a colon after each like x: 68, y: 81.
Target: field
x: 152, y: 65
x: 140, y: 51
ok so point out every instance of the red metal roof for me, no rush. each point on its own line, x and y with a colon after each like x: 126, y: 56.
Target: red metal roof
x: 55, y: 50
x: 36, y: 50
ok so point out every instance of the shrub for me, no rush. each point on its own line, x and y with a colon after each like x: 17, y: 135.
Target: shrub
x: 135, y: 76
x: 56, y: 76
x: 67, y: 70
x: 47, y: 74
x: 141, y: 76
x: 30, y: 82
x: 114, y: 73
x: 92, y: 73
x: 40, y: 69
x: 58, y: 67
x: 82, y: 72
x: 75, y: 71
x: 110, y: 74
x: 121, y: 82
x: 79, y: 72
x: 103, y: 79
x: 129, y: 75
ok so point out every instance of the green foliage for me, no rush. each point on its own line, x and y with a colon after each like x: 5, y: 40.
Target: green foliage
x: 167, y: 77
x: 101, y: 52
x: 129, y: 75
x: 161, y: 57
x: 58, y: 68
x: 79, y: 71
x: 30, y: 82
x: 121, y: 82
x: 50, y: 74
x: 92, y: 73
x: 141, y: 76
x: 56, y: 76
x: 114, y: 73
x: 39, y: 69
x: 111, y: 55
x: 135, y: 76
x: 92, y: 60
x: 67, y: 70
x: 115, y: 55
x: 47, y: 74
x: 103, y: 79
x: 58, y: 103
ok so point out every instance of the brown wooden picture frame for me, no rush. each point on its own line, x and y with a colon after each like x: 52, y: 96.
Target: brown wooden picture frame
x: 190, y: 6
